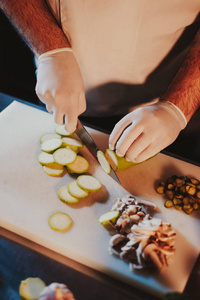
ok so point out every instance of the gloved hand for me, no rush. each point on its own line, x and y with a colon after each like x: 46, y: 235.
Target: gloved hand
x: 147, y: 130
x: 60, y: 86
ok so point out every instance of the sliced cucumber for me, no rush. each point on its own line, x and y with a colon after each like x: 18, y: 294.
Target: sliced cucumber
x: 64, y: 156
x: 31, y: 288
x: 65, y: 196
x: 103, y: 161
x: 108, y: 217
x: 59, y: 221
x: 49, y: 136
x: 72, y: 143
x: 120, y: 163
x: 45, y: 158
x: 80, y: 165
x: 60, y: 129
x: 51, y: 145
x: 88, y: 183
x: 117, y: 163
x: 57, y: 170
x: 75, y: 190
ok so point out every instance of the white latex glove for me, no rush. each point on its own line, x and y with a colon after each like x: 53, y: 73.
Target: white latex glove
x: 147, y: 130
x: 60, y: 86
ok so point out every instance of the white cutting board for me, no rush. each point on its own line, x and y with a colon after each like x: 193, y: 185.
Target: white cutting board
x: 28, y: 197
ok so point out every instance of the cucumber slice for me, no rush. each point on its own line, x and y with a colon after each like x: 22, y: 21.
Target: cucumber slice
x: 88, y: 183
x: 103, y: 161
x: 108, y: 217
x: 51, y: 145
x: 57, y: 170
x: 80, y: 165
x: 60, y: 129
x: 120, y: 163
x: 45, y: 158
x: 65, y: 196
x: 59, y: 221
x: 64, y: 156
x: 72, y: 143
x: 49, y: 136
x: 117, y: 163
x: 31, y: 288
x: 75, y: 190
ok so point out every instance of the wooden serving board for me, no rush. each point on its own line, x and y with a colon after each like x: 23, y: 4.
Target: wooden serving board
x: 28, y: 197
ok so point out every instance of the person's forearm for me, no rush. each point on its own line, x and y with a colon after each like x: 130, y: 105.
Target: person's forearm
x: 184, y: 90
x: 36, y: 24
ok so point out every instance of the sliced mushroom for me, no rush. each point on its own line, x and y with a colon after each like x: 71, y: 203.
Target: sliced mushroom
x: 150, y: 252
x: 141, y: 240
x: 116, y: 242
x: 146, y: 203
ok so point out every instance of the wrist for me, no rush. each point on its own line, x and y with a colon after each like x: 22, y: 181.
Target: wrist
x: 174, y: 111
x: 54, y: 51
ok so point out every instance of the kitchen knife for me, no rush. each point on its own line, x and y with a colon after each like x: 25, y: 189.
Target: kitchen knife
x: 87, y: 140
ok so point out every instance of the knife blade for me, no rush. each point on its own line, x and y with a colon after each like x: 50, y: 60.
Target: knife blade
x: 88, y: 141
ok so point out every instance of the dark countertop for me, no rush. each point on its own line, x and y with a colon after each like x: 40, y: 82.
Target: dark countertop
x: 18, y: 261
x: 21, y: 258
